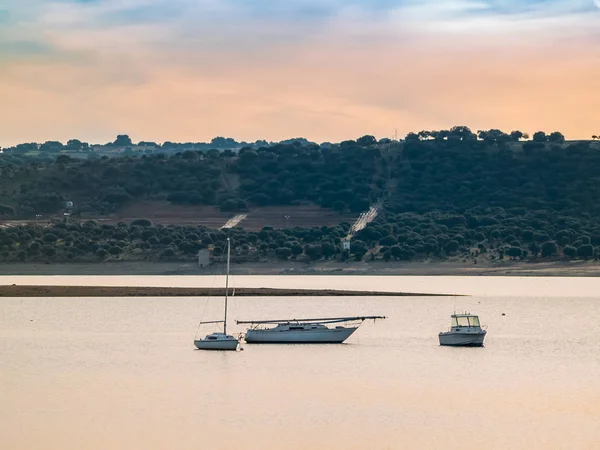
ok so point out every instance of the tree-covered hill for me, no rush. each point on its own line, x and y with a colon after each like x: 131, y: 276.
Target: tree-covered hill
x: 450, y: 193
x: 455, y: 176
x: 103, y: 185
x: 343, y: 178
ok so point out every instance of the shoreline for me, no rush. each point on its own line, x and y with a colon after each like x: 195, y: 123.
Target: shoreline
x: 396, y: 268
x: 133, y: 291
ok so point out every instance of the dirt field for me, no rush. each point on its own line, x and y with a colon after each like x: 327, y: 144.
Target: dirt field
x: 273, y: 216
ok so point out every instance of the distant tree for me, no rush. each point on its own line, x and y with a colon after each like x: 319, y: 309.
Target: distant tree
x: 50, y: 238
x: 584, y: 239
x: 518, y: 135
x: 556, y: 138
x: 74, y: 145
x: 328, y: 249
x: 283, y: 252
x: 49, y: 251
x: 461, y: 133
x: 122, y: 140
x: 366, y: 141
x: 479, y: 237
x: 396, y: 251
x: 313, y: 251
x: 358, y: 247
x: 534, y: 248
x: 168, y: 253
x: 514, y: 252
x: 388, y: 241
x: 34, y: 247
x: 63, y: 159
x: 549, y: 248
x: 540, y: 136
x: 412, y: 137
x: 585, y: 251
x: 570, y: 252
x: 6, y: 211
x: 452, y: 247
x: 296, y: 250
x: 101, y: 253
x: 563, y: 239
x: 493, y: 136
x: 425, y: 135
x: 440, y: 135
x: 387, y: 255
x: 222, y: 142
x: 51, y: 147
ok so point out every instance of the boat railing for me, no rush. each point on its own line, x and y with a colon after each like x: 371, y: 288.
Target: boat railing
x: 483, y: 327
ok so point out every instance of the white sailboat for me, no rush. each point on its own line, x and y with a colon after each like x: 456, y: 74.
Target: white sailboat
x: 302, y: 331
x: 217, y: 340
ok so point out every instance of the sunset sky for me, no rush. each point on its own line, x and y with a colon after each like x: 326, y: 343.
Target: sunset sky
x: 327, y: 70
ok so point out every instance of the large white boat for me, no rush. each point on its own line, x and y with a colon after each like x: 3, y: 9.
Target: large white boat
x: 302, y: 331
x: 218, y: 340
x: 464, y: 331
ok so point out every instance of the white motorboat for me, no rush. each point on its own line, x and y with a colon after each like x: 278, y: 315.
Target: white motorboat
x: 302, y: 331
x: 464, y: 331
x: 217, y: 340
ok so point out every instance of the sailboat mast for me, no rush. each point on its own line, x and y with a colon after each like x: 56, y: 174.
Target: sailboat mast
x: 227, y: 285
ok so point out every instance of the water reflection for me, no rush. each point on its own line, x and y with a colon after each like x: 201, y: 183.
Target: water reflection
x: 122, y: 373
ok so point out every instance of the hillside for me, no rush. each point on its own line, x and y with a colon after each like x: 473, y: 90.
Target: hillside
x: 446, y: 195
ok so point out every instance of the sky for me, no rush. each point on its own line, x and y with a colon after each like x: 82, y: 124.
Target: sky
x: 327, y: 70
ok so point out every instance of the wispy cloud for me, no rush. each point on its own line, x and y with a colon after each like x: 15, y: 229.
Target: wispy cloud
x: 220, y: 25
x: 267, y: 68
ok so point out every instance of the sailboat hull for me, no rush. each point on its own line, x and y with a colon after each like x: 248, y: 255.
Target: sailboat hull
x: 322, y: 336
x: 216, y: 345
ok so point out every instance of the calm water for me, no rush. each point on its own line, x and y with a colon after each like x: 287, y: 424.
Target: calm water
x: 122, y: 373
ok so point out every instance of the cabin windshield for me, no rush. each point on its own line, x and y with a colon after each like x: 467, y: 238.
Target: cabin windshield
x: 465, y: 321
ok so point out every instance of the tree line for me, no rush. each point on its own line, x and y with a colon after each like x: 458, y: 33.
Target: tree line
x: 449, y: 193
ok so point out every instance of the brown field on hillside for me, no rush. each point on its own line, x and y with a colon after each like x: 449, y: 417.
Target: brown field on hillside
x: 274, y: 216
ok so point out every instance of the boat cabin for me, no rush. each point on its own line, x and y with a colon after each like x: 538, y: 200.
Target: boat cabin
x: 464, y: 321
x: 299, y: 327
x: 465, y: 331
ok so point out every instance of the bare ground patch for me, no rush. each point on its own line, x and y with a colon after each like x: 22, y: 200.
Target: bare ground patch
x: 274, y: 216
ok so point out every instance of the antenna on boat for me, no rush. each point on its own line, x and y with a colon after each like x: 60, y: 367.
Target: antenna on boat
x: 454, y: 298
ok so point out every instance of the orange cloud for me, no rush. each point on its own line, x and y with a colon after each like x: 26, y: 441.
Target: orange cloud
x: 324, y: 87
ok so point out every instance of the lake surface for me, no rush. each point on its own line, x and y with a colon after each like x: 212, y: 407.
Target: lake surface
x: 122, y: 373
